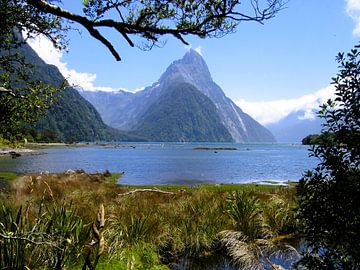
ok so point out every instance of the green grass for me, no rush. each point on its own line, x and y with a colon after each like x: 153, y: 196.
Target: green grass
x: 147, y: 230
x: 137, y: 257
x: 6, y: 143
x: 113, y: 177
x: 173, y: 188
x: 7, y: 176
x: 207, y: 187
x: 236, y: 187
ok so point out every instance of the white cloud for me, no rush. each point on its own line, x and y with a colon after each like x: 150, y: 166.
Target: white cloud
x: 268, y: 112
x: 45, y: 49
x: 353, y: 10
x: 136, y: 89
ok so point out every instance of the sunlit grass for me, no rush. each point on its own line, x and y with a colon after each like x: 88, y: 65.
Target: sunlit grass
x: 8, y: 176
x: 151, y: 229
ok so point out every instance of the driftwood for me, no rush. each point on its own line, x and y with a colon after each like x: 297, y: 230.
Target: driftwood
x: 96, y: 247
x: 215, y: 148
x: 146, y: 190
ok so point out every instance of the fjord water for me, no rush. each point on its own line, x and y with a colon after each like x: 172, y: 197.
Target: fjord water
x: 174, y: 163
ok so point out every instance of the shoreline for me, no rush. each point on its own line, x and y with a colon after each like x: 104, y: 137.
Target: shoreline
x: 18, y: 152
x: 117, y: 176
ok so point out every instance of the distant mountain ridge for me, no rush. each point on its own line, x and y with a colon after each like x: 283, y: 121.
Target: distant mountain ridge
x: 124, y: 110
x: 73, y: 118
x: 294, y: 127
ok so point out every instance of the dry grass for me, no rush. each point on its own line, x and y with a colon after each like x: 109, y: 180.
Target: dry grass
x: 184, y: 223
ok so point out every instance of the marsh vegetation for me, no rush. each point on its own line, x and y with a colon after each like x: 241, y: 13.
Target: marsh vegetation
x: 47, y: 222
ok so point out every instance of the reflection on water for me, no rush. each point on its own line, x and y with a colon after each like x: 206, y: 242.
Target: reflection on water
x: 215, y: 262
x: 221, y: 262
x: 174, y: 163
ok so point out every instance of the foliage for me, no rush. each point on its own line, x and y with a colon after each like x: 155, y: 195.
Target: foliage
x: 21, y: 104
x: 19, y: 17
x: 112, y: 177
x: 31, y: 135
x: 279, y: 216
x: 313, y: 139
x: 138, y: 256
x: 244, y: 210
x: 23, y: 98
x: 259, y: 232
x: 49, y: 239
x: 147, y: 21
x: 329, y: 196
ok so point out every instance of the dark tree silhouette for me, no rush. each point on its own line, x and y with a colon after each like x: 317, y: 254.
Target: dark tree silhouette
x: 329, y: 196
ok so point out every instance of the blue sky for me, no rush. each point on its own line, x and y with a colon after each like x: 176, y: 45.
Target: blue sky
x: 290, y: 56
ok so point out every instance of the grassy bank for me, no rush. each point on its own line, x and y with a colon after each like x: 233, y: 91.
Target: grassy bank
x: 8, y: 176
x: 146, y: 227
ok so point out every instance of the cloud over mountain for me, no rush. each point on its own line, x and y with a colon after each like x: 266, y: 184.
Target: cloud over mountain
x: 269, y: 112
x: 353, y: 10
x: 45, y: 49
x: 266, y: 112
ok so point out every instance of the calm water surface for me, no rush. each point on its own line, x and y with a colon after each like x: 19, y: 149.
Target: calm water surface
x: 174, y: 163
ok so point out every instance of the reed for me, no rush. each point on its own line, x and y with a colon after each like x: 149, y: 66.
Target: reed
x: 259, y: 230
x: 142, y: 230
x: 49, y: 239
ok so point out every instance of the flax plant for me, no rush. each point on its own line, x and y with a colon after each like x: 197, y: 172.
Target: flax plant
x: 252, y: 244
x: 50, y: 239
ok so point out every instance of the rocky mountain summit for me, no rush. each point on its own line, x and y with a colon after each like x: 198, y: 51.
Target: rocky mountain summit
x: 128, y: 111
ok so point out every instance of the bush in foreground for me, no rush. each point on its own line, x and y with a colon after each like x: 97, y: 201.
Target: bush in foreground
x: 329, y: 196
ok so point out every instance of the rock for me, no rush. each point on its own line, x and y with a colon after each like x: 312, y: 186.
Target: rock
x: 14, y: 154
x: 70, y: 172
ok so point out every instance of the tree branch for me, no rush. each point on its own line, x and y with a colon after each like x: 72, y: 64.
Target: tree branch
x: 57, y: 11
x: 147, y: 190
x: 151, y: 23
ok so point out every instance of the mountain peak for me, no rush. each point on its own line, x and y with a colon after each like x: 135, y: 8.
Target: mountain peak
x: 185, y: 104
x: 192, y: 66
x: 192, y: 55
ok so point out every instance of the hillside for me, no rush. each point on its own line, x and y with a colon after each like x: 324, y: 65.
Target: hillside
x: 73, y: 118
x: 124, y: 110
x: 293, y: 128
x: 183, y: 114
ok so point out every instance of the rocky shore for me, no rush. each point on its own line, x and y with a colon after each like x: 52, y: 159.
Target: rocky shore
x: 17, y: 152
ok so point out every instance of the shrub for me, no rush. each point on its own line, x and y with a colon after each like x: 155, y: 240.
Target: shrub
x: 329, y: 196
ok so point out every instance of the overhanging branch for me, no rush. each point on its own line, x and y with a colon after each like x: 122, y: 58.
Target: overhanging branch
x: 57, y: 11
x: 213, y: 22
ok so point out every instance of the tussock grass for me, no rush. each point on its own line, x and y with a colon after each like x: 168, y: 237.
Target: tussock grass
x: 260, y: 229
x: 149, y: 230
